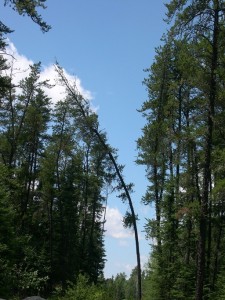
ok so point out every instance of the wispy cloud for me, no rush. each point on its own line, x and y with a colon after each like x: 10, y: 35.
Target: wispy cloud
x: 57, y: 92
x: 20, y: 68
x: 114, y: 225
x: 18, y: 62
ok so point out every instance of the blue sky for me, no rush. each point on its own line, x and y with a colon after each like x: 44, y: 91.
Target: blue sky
x: 106, y: 44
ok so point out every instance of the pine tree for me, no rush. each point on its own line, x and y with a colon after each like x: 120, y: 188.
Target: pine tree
x: 30, y: 8
x: 189, y: 131
x: 89, y: 123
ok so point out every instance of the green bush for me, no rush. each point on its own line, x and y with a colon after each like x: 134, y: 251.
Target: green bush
x: 83, y: 290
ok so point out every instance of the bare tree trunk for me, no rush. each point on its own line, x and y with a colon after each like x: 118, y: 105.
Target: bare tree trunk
x: 207, y: 167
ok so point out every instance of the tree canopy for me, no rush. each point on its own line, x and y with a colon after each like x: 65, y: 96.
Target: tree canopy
x: 56, y: 165
x: 30, y: 8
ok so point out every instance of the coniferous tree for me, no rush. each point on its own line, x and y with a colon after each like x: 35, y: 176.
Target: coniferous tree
x: 186, y: 99
x: 30, y: 8
x: 89, y: 124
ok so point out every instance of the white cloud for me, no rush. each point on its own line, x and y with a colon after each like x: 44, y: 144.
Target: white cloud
x: 18, y: 62
x: 57, y: 92
x: 114, y: 225
x: 20, y: 69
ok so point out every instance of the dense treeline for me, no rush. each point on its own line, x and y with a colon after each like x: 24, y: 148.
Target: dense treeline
x: 55, y: 169
x: 55, y: 165
x: 183, y: 148
x: 53, y: 177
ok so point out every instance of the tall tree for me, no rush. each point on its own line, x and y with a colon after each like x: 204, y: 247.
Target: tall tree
x: 23, y: 124
x: 89, y: 122
x: 189, y: 127
x: 203, y: 21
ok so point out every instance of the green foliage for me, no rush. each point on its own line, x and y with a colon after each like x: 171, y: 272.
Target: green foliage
x: 53, y: 174
x: 83, y: 290
x: 30, y: 8
x: 7, y: 234
x: 181, y: 147
x: 128, y: 220
x: 88, y: 125
x: 51, y: 183
x: 4, y: 80
x: 219, y: 292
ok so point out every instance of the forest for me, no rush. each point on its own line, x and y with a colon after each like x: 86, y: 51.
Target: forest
x: 56, y: 165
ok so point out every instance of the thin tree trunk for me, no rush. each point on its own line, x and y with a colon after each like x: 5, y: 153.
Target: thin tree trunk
x: 84, y: 221
x: 207, y: 167
x: 62, y: 227
x: 218, y: 246
x: 95, y: 131
x: 131, y: 208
